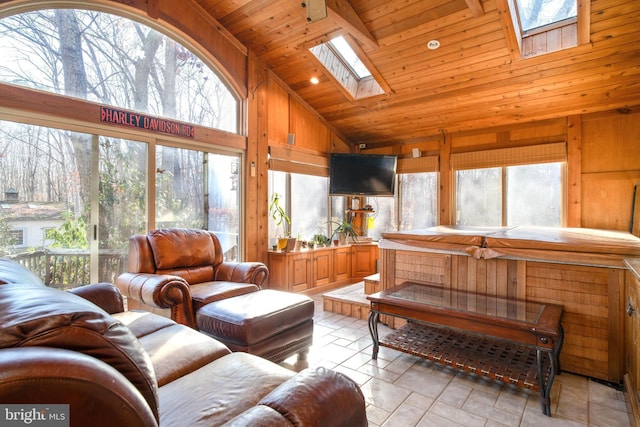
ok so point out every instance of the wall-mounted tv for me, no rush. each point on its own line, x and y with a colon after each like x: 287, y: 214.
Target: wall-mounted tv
x: 362, y: 174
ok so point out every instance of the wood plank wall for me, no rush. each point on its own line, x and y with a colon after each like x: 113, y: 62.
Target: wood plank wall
x: 591, y: 296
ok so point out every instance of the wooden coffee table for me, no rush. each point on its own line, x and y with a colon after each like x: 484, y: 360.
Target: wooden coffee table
x: 514, y: 341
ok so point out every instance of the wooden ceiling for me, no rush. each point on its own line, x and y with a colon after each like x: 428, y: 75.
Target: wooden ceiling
x: 471, y: 82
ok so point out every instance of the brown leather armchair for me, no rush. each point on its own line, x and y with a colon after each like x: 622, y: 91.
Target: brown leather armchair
x: 176, y: 271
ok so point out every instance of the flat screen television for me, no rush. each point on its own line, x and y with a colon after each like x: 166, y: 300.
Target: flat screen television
x: 362, y: 174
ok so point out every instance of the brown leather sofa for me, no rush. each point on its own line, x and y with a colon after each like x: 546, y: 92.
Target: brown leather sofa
x: 134, y: 368
x: 176, y: 271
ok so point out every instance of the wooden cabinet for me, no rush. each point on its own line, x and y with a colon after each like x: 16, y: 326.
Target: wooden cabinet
x: 317, y: 270
x: 342, y: 263
x: 632, y: 338
x: 363, y: 260
x: 322, y: 266
x: 290, y: 271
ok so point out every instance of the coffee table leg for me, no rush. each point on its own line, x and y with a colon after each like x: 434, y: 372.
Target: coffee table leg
x: 373, y: 330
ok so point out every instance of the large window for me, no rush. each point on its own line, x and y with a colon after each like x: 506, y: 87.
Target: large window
x: 305, y: 199
x: 79, y: 195
x: 418, y: 200
x: 509, y: 196
x: 112, y: 60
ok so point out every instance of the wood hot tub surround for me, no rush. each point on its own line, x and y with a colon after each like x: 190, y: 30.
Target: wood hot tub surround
x: 582, y: 270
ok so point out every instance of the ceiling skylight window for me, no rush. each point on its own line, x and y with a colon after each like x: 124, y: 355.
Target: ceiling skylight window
x: 342, y: 48
x: 538, y: 27
x: 347, y: 65
x: 539, y: 13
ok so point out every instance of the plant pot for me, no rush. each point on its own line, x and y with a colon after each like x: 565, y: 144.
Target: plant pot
x: 282, y: 243
x: 291, y: 244
x: 287, y: 244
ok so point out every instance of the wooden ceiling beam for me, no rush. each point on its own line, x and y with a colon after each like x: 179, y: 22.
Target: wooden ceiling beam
x: 476, y: 7
x: 342, y: 12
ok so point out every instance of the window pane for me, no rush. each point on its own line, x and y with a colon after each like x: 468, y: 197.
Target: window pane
x: 179, y: 188
x: 538, y: 13
x: 419, y: 200
x: 479, y: 197
x: 115, y: 62
x: 534, y: 195
x: 122, y: 202
x: 277, y: 184
x: 224, y: 202
x: 384, y: 216
x: 350, y: 57
x: 309, y: 196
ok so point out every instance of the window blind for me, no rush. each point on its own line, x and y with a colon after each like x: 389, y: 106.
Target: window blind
x: 515, y: 156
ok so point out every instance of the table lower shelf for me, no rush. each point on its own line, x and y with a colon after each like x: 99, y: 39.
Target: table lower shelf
x: 497, y: 359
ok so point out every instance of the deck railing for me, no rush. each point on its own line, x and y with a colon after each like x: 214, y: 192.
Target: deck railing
x: 70, y: 269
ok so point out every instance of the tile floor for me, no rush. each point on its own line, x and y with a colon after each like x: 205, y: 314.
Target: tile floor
x: 403, y: 390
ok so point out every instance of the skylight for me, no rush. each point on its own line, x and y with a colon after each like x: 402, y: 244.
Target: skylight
x: 344, y: 63
x: 342, y: 48
x: 539, y: 13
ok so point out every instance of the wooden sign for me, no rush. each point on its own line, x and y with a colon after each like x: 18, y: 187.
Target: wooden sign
x: 142, y: 121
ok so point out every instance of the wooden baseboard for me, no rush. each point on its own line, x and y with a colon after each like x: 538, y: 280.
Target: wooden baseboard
x: 632, y: 402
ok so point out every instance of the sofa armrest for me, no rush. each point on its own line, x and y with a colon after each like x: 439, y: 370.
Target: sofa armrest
x: 318, y: 397
x: 162, y: 291
x: 242, y: 272
x: 104, y: 295
x: 96, y: 393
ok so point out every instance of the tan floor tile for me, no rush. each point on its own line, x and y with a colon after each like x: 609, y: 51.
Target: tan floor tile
x: 404, y: 390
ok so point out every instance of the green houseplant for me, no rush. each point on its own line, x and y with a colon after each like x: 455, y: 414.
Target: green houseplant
x: 280, y: 218
x: 344, y: 230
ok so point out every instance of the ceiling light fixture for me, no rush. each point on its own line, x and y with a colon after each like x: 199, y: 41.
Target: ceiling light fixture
x: 433, y: 44
x: 314, y: 80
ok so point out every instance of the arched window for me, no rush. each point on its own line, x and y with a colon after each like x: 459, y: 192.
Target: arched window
x: 74, y: 192
x: 115, y: 61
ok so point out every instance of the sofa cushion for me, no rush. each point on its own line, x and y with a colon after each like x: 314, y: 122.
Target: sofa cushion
x: 181, y: 248
x: 32, y: 315
x: 224, y: 389
x: 206, y: 292
x: 175, y: 350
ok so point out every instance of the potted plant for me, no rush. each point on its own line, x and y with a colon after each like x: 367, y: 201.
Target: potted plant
x: 280, y: 218
x: 344, y: 230
x: 321, y: 240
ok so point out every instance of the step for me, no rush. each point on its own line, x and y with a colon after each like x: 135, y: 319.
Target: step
x: 372, y: 284
x: 349, y: 301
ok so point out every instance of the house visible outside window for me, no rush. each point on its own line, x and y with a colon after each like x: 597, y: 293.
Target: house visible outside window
x: 16, y: 237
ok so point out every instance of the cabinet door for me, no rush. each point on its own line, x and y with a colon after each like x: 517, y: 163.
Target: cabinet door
x: 341, y: 263
x: 322, y: 267
x: 300, y: 273
x: 363, y: 260
x: 632, y: 328
x: 279, y: 271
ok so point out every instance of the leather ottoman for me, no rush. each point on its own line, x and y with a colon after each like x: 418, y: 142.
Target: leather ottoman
x: 268, y: 323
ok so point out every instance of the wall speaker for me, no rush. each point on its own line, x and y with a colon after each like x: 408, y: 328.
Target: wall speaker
x: 291, y: 139
x: 316, y: 9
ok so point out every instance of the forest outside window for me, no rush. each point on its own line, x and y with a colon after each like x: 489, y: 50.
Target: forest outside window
x: 92, y: 189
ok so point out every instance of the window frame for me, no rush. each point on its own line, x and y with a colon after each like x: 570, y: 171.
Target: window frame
x: 504, y: 202
x: 521, y: 44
